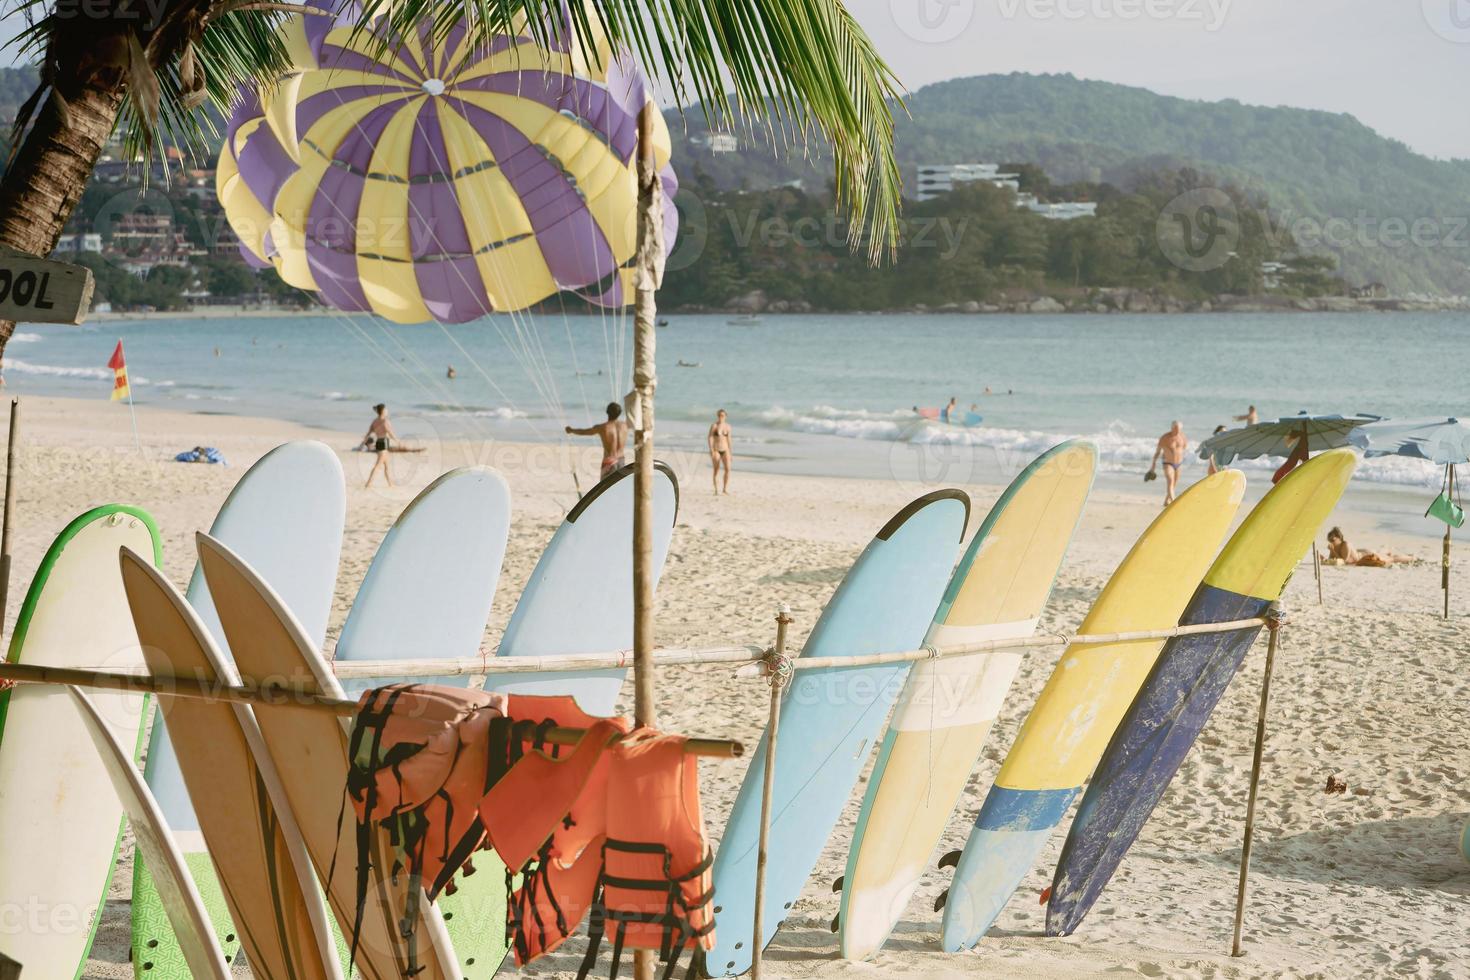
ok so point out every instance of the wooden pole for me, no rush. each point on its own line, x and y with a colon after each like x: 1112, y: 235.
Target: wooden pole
x: 1274, y: 626
x: 779, y: 669
x: 271, y: 696
x: 9, y: 509
x: 1444, y: 561
x: 648, y: 274
x: 1317, y: 567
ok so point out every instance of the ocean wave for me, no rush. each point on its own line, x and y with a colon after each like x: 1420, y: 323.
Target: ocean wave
x: 338, y: 396
x: 1121, y: 448
x: 24, y: 338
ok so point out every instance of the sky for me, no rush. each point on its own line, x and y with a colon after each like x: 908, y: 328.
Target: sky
x: 1400, y: 66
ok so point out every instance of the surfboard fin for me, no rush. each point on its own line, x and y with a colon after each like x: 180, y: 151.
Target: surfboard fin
x: 939, y: 902
x: 950, y: 860
x: 837, y: 885
x: 835, y: 919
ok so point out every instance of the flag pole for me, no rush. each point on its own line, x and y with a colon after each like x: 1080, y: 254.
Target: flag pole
x: 133, y: 414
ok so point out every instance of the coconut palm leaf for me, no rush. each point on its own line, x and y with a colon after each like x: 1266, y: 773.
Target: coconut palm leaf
x: 803, y: 65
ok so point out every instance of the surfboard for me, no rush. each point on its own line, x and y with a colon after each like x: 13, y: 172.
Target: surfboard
x: 308, y: 750
x: 285, y: 515
x: 579, y: 598
x: 182, y: 901
x: 947, y: 707
x: 428, y: 593
x: 1188, y: 681
x: 59, y: 821
x: 259, y: 860
x: 1064, y: 735
x: 829, y: 719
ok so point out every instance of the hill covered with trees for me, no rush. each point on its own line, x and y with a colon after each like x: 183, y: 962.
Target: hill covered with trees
x: 1384, y: 212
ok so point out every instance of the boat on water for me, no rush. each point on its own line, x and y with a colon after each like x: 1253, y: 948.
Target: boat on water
x: 748, y: 320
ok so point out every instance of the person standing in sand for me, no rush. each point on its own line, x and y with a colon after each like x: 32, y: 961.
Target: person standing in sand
x: 720, y: 453
x: 380, y: 434
x: 614, y: 436
x: 1171, y: 448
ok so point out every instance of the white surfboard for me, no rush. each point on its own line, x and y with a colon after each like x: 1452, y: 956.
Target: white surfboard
x: 59, y: 820
x: 428, y: 594
x: 285, y: 516
x: 171, y: 875
x: 579, y: 598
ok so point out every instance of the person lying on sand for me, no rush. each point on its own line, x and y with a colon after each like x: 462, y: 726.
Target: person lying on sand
x: 1339, y: 552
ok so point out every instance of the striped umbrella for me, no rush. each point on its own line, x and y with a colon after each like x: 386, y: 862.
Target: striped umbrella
x: 1280, y: 437
x: 1442, y: 441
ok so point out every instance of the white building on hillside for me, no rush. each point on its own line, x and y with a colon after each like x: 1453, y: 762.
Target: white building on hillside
x: 941, y: 178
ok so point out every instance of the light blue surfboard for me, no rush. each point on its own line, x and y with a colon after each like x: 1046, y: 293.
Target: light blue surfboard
x: 830, y: 719
x: 285, y: 517
x: 579, y: 599
x: 427, y: 595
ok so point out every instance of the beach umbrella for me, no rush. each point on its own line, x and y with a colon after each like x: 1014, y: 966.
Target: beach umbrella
x: 1444, y: 442
x: 1294, y: 436
x: 1279, y: 437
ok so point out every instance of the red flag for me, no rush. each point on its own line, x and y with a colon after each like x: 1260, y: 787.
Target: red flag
x: 119, y: 367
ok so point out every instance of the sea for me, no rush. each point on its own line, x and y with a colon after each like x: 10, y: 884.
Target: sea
x: 812, y: 394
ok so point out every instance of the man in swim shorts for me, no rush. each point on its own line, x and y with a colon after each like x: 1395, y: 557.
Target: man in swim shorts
x: 719, y: 448
x: 1171, y: 447
x: 614, y: 436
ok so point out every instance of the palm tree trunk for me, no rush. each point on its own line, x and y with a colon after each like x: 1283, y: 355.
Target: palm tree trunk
x: 44, y: 182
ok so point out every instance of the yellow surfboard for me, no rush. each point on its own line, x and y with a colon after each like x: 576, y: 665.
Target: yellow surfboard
x: 1075, y: 714
x: 948, y: 706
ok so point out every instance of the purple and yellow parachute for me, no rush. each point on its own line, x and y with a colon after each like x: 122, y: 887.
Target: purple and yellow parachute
x: 441, y: 181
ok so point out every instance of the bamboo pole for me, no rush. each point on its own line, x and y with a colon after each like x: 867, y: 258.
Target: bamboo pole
x: 9, y: 509
x: 1444, y: 571
x: 489, y: 665
x: 1274, y: 621
x: 647, y: 275
x: 778, y: 666
x: 271, y: 696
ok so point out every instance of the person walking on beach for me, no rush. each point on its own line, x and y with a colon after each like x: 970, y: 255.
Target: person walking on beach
x: 380, y: 434
x: 1250, y: 417
x: 1171, y: 447
x: 614, y: 436
x: 720, y: 453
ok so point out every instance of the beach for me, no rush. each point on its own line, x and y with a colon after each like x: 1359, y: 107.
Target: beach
x: 1369, y: 687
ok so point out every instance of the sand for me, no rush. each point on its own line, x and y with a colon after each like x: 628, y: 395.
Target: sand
x: 1370, y: 688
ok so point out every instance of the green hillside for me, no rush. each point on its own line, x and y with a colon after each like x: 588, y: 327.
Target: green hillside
x: 1312, y: 166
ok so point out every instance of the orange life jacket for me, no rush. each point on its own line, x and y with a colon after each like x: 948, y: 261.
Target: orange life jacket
x: 610, y: 828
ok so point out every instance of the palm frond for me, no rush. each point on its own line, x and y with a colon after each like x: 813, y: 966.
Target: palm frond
x: 802, y: 62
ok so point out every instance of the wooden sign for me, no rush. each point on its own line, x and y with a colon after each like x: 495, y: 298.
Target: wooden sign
x: 36, y: 290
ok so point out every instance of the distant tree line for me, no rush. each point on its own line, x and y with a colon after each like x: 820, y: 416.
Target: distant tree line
x: 976, y: 245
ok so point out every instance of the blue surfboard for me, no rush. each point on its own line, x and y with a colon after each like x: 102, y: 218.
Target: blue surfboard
x: 831, y: 718
x: 579, y: 598
x: 1188, y: 680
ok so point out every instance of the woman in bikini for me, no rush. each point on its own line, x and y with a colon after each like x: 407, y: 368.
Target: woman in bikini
x: 380, y: 434
x: 1339, y: 552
